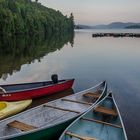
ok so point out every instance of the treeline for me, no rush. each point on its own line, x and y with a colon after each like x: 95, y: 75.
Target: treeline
x: 28, y: 17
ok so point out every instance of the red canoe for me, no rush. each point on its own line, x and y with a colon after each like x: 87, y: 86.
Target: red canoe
x: 24, y: 91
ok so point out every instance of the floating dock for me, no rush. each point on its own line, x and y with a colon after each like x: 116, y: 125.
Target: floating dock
x: 116, y: 35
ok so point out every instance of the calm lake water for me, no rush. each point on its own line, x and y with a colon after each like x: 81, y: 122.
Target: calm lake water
x: 88, y: 60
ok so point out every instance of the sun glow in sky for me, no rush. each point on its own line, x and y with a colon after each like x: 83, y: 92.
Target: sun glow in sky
x: 94, y: 12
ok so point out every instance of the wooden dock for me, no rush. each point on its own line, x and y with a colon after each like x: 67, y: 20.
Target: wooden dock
x: 116, y: 35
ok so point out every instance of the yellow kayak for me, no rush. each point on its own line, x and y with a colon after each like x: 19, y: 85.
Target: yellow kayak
x: 11, y: 108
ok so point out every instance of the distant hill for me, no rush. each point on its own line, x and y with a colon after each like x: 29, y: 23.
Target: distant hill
x: 116, y: 25
x: 113, y: 25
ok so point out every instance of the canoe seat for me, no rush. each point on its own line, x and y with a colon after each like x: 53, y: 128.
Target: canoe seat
x: 22, y: 126
x: 78, y: 136
x: 95, y: 95
x: 106, y: 110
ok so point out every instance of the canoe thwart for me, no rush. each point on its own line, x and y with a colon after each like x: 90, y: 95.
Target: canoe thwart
x: 63, y: 109
x: 102, y: 122
x: 95, y: 95
x: 79, y: 102
x: 22, y: 126
x: 78, y: 136
x: 105, y: 110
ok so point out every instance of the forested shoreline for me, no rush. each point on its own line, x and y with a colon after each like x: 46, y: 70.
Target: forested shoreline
x: 28, y: 17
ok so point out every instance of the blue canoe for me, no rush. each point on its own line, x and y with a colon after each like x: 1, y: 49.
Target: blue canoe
x: 100, y: 122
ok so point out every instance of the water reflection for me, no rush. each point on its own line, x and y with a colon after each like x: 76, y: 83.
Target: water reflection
x: 49, y: 98
x: 90, y: 61
x: 18, y: 50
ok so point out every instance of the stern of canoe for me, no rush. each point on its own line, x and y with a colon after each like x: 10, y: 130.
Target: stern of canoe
x: 48, y: 133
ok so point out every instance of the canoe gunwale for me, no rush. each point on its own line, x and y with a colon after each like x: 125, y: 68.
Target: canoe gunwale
x: 103, y: 84
x: 122, y: 124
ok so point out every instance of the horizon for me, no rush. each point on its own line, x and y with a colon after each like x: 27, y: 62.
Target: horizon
x: 109, y: 23
x: 101, y: 11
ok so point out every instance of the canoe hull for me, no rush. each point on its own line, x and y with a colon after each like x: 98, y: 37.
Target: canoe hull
x: 38, y: 92
x: 51, y: 133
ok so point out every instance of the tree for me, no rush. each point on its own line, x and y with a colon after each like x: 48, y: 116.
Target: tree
x: 72, y: 20
x: 72, y: 17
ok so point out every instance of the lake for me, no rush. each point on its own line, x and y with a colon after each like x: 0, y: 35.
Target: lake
x: 88, y: 60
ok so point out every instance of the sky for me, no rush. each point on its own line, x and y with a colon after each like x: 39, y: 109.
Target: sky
x: 93, y: 12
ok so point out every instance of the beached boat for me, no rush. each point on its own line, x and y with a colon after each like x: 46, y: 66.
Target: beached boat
x: 15, y: 92
x: 11, y: 108
x: 49, y: 120
x: 100, y: 122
